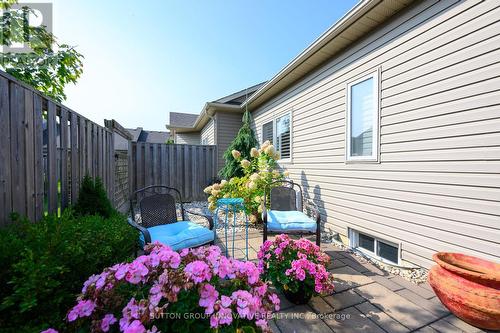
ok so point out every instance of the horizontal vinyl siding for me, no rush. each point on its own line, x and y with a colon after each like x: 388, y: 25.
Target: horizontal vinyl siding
x: 437, y: 186
x: 208, y: 132
x: 188, y: 138
x: 228, y: 125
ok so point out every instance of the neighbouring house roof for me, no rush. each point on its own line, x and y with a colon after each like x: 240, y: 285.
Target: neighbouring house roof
x: 141, y: 135
x: 231, y: 103
x: 183, y: 120
x: 136, y: 132
x: 358, y: 22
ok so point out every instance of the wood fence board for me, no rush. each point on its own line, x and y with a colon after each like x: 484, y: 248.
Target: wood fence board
x: 82, y: 148
x: 5, y: 169
x: 51, y: 158
x: 38, y: 165
x: 89, y: 148
x: 64, y: 158
x: 156, y: 168
x: 43, y: 160
x: 187, y: 173
x: 95, y: 151
x: 139, y: 166
x: 29, y: 137
x: 17, y: 148
x: 185, y: 167
x: 75, y: 163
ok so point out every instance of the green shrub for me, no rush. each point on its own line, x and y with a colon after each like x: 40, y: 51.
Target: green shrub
x: 92, y: 199
x: 243, y: 142
x: 44, y: 265
x: 259, y: 170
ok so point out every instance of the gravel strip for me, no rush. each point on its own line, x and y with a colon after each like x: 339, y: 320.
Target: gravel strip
x: 415, y: 275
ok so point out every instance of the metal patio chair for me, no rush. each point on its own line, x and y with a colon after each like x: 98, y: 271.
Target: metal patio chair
x: 154, y: 213
x: 285, y: 215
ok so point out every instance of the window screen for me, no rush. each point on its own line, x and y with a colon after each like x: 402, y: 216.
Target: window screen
x: 388, y: 252
x: 283, y: 136
x: 367, y: 242
x: 267, y: 132
x: 363, y: 119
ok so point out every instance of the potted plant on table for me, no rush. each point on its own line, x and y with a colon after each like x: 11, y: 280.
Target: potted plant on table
x: 295, y: 267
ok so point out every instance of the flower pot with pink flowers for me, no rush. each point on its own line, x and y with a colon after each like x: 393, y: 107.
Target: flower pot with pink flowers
x: 295, y: 267
x: 194, y: 290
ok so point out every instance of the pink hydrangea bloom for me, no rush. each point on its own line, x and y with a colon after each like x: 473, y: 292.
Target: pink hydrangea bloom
x: 50, y: 330
x: 107, y: 321
x: 198, y: 271
x: 135, y: 327
x: 136, y: 272
x: 244, y: 300
x: 202, y: 270
x: 84, y: 308
x: 208, y: 297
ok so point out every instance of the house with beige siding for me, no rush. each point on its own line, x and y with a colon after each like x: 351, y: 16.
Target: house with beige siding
x: 390, y: 121
x: 217, y: 124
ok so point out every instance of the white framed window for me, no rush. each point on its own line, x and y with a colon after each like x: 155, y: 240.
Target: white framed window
x: 268, y: 132
x: 283, y: 136
x: 362, y: 132
x: 375, y: 247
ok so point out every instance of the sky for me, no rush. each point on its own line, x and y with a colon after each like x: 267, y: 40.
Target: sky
x: 144, y: 59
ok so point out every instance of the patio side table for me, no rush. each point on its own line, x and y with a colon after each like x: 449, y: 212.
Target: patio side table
x: 233, y: 205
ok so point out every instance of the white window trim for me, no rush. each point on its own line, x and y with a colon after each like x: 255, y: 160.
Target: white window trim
x: 354, y: 244
x: 376, y: 120
x: 275, y: 138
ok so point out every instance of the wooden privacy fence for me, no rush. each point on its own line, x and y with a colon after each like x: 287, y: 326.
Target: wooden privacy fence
x: 45, y: 150
x: 189, y: 168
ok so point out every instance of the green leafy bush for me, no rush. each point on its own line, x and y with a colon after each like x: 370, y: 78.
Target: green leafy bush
x: 92, y: 199
x: 259, y: 170
x: 44, y: 264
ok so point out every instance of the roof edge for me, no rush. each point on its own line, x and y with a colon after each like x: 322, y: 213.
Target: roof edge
x: 347, y: 19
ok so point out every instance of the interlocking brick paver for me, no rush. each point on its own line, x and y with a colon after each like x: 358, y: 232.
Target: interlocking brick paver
x: 396, y: 306
x: 426, y: 329
x: 347, y: 278
x: 274, y: 327
x: 462, y: 325
x: 432, y: 305
x: 284, y: 303
x: 354, y: 322
x: 319, y: 305
x: 424, y: 292
x: 335, y: 263
x: 344, y: 299
x: 301, y: 319
x: 354, y: 264
x: 381, y: 318
x: 386, y: 282
x: 368, y: 266
x: 443, y: 326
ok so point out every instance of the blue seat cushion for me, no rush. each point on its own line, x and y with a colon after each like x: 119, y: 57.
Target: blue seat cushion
x: 289, y: 221
x: 180, y: 235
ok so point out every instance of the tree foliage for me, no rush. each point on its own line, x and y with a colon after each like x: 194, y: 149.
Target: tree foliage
x: 244, y: 141
x: 49, y: 66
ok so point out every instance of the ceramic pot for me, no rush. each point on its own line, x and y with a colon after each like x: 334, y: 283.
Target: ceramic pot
x: 469, y: 287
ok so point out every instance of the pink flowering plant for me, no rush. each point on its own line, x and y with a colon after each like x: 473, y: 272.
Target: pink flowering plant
x: 193, y: 290
x: 295, y: 265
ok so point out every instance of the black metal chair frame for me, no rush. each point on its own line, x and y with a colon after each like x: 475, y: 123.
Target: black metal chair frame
x: 287, y: 206
x: 163, y: 196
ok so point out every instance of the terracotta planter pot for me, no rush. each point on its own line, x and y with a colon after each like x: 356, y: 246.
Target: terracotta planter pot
x: 469, y: 287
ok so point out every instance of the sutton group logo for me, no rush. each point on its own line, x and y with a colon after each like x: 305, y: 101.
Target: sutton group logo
x: 33, y: 15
